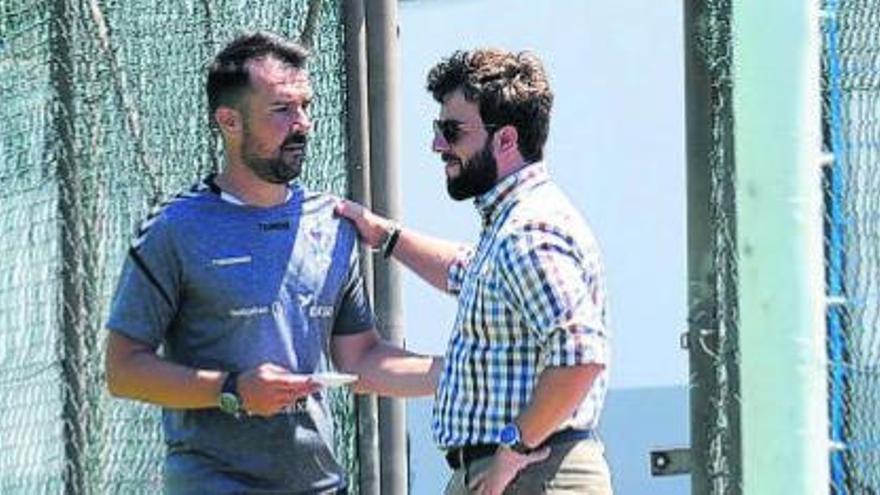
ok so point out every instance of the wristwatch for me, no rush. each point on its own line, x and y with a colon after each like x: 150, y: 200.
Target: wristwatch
x: 389, y: 240
x: 230, y: 402
x: 511, y: 438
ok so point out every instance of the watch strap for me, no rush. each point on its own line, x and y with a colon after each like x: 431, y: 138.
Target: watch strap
x: 389, y: 240
x: 511, y: 437
x: 230, y: 384
x: 521, y: 448
x: 229, y: 400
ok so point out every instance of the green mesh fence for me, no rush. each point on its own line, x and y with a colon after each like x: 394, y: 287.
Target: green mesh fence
x: 103, y: 115
x: 852, y: 128
x: 851, y: 82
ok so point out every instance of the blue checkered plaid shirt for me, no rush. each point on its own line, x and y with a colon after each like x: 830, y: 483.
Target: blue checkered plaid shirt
x: 531, y: 295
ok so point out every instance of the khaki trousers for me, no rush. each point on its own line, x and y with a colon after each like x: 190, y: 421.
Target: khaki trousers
x: 573, y: 468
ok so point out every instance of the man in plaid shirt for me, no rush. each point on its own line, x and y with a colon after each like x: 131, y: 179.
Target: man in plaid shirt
x: 525, y: 372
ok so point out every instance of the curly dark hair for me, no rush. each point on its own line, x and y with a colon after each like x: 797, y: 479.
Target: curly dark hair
x: 228, y: 74
x: 508, y: 88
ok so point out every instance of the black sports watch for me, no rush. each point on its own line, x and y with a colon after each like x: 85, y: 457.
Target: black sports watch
x: 230, y: 402
x: 511, y: 438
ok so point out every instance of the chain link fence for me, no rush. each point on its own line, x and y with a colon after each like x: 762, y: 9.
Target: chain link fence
x: 851, y: 62
x: 851, y: 84
x: 104, y: 116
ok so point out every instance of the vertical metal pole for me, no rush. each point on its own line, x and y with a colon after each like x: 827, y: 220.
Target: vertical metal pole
x: 359, y: 180
x: 72, y: 347
x: 702, y: 308
x: 313, y: 17
x: 382, y: 57
x: 777, y: 110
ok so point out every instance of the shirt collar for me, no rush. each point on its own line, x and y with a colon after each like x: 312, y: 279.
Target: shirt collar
x: 491, y: 203
x: 231, y: 198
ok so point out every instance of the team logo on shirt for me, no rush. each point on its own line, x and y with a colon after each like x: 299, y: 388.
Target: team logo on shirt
x: 270, y: 226
x: 320, y: 311
x: 306, y: 302
x: 234, y: 260
x: 249, y: 311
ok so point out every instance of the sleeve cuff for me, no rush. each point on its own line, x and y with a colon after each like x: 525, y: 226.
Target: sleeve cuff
x: 457, y: 269
x: 574, y: 346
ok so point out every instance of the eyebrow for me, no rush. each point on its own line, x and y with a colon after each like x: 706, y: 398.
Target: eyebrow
x: 306, y: 98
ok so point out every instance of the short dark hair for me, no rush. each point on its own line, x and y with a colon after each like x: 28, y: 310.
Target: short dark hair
x: 228, y: 74
x: 508, y: 88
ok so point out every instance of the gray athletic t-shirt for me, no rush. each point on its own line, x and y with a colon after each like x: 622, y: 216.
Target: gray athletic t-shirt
x: 227, y: 286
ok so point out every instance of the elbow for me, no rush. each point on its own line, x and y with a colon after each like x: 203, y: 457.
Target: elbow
x: 348, y: 364
x: 116, y: 391
x: 354, y: 354
x: 115, y: 383
x: 118, y: 366
x: 114, y: 387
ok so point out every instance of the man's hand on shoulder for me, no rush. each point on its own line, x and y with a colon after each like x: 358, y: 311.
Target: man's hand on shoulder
x: 268, y: 389
x: 371, y: 227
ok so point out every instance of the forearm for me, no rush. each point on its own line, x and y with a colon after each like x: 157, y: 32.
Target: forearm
x: 138, y: 373
x: 428, y: 257
x: 391, y: 371
x: 388, y: 370
x: 557, y: 394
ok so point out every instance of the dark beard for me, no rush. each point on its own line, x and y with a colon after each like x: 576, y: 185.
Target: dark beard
x: 276, y: 170
x: 477, y: 176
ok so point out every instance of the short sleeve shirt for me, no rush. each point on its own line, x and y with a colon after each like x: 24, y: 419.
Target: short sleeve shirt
x: 531, y: 296
x: 225, y: 286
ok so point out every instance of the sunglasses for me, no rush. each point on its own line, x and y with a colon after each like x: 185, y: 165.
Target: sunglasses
x: 452, y: 129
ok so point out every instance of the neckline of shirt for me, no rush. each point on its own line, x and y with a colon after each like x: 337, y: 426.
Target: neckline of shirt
x: 490, y: 203
x: 233, y: 199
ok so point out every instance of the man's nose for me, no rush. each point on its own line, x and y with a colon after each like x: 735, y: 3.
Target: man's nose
x: 301, y: 122
x: 439, y: 144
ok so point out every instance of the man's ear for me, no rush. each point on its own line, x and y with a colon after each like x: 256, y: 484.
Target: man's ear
x: 229, y: 120
x: 506, y: 140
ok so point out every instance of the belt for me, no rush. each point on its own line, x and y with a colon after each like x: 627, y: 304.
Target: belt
x: 457, y: 457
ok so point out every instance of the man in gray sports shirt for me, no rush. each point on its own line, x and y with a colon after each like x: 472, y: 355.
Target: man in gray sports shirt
x: 250, y: 285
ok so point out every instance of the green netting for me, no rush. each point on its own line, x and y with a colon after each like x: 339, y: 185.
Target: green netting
x: 851, y: 79
x: 102, y: 116
x: 852, y: 123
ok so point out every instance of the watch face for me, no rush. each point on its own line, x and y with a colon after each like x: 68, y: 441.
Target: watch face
x: 229, y: 403
x: 509, y: 435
